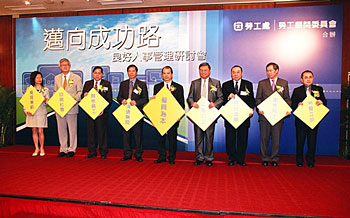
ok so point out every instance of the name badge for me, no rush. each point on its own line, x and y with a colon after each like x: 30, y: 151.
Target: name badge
x: 244, y: 93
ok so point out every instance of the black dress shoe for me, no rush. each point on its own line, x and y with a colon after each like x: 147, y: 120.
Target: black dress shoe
x: 61, y: 154
x: 209, y: 163
x: 274, y: 164
x: 231, y: 163
x: 103, y: 156
x: 70, y: 154
x: 198, y: 162
x: 300, y: 164
x: 159, y: 161
x: 171, y: 162
x: 139, y: 159
x: 242, y: 163
x: 91, y: 155
x: 125, y: 158
x: 311, y: 165
x: 265, y: 163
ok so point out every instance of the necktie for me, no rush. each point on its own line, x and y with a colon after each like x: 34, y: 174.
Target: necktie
x: 273, y: 85
x: 167, y: 85
x: 95, y: 86
x: 131, y: 87
x: 204, y: 90
x: 308, y: 91
x: 236, y: 88
x: 65, y: 82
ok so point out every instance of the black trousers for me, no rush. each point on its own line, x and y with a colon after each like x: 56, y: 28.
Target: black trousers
x: 97, y: 129
x: 172, y: 138
x: 303, y: 131
x: 138, y: 136
x: 236, y: 142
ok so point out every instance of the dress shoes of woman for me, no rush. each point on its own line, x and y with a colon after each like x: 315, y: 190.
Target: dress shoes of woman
x: 36, y: 152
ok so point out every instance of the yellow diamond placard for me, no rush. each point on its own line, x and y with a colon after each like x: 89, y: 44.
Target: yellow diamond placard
x: 310, y: 113
x: 31, y: 100
x: 127, y: 115
x: 275, y: 108
x: 203, y: 116
x: 163, y: 111
x: 93, y: 103
x: 61, y: 102
x: 235, y: 111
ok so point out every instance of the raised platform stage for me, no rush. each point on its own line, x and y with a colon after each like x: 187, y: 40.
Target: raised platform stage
x: 79, y: 187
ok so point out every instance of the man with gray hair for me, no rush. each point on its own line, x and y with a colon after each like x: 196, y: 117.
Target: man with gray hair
x: 72, y: 84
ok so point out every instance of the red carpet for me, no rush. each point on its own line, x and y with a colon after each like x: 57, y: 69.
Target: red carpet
x: 247, y: 191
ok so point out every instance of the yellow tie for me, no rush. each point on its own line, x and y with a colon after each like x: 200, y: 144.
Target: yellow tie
x: 65, y: 82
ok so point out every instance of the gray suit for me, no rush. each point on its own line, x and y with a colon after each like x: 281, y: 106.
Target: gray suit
x: 74, y: 88
x: 213, y: 96
x: 266, y: 129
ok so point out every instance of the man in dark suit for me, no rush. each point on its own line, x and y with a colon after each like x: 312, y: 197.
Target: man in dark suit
x: 178, y: 92
x: 302, y: 130
x: 266, y: 88
x: 210, y: 89
x: 136, y: 91
x: 98, y: 125
x: 238, y: 137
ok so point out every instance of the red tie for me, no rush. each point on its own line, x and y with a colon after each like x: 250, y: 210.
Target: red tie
x: 95, y: 87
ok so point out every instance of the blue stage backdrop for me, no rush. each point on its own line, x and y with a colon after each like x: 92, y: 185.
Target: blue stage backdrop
x: 297, y: 39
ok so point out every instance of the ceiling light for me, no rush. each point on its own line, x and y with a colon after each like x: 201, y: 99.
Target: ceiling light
x: 27, y: 2
x: 119, y: 2
x: 28, y: 7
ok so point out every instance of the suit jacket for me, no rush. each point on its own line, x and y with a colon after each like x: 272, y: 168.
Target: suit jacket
x: 265, y: 90
x: 299, y: 94
x: 228, y: 88
x: 140, y: 98
x: 74, y: 88
x: 213, y: 96
x: 107, y: 95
